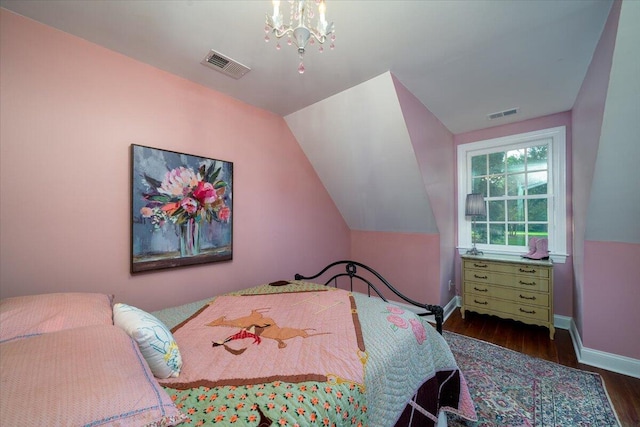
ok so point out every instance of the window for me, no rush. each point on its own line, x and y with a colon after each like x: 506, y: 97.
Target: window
x: 523, y: 180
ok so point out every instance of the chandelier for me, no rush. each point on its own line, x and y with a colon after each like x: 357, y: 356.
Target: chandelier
x: 299, y: 28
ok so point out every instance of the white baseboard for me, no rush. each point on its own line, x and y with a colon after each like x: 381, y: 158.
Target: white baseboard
x: 601, y: 359
x: 455, y: 302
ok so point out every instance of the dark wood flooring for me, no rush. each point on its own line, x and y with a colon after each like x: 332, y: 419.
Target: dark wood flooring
x: 624, y: 390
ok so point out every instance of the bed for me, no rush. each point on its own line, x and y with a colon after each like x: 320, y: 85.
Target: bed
x: 291, y: 352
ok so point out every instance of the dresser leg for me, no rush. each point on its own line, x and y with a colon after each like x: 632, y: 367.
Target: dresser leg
x: 462, y: 312
x: 552, y: 331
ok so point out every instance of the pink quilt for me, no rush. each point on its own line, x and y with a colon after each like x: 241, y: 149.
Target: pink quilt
x: 314, y: 336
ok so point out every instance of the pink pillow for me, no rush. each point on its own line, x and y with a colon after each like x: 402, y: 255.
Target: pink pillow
x: 22, y: 317
x: 94, y: 375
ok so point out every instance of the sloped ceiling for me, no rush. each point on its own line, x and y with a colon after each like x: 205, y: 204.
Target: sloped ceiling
x: 461, y: 59
x: 614, y: 205
x: 358, y: 143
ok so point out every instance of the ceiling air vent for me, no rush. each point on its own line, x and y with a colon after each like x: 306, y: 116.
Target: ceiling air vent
x: 504, y: 113
x: 225, y: 65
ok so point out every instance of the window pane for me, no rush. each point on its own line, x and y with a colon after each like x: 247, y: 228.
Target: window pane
x: 479, y: 165
x: 479, y: 232
x: 538, y: 230
x: 496, y: 186
x: 496, y: 210
x: 515, y: 160
x: 537, y: 158
x: 537, y: 182
x: 496, y: 163
x: 515, y: 210
x: 497, y: 234
x: 515, y: 185
x: 516, y: 235
x: 479, y: 185
x: 537, y: 209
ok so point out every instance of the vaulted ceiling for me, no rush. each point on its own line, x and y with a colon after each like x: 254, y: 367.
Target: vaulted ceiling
x: 463, y: 60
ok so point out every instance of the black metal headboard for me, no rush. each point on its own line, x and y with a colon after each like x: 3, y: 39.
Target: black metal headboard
x: 351, y: 272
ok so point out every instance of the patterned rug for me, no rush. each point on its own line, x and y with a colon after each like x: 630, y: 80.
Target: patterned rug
x: 513, y: 389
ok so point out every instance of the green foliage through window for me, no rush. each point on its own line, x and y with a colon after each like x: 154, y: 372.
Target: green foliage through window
x: 515, y: 186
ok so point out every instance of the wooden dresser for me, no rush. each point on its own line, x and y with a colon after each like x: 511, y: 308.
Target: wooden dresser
x: 510, y: 287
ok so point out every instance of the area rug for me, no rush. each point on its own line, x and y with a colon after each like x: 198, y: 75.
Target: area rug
x: 513, y: 389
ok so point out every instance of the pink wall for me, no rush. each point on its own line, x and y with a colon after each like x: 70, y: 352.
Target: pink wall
x: 587, y: 116
x: 563, y: 273
x: 406, y: 260
x: 611, y: 295
x: 69, y: 112
x: 433, y: 145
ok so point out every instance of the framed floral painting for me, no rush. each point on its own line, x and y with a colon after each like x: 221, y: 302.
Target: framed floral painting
x: 181, y: 209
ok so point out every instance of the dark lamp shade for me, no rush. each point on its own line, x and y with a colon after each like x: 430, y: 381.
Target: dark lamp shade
x: 475, y: 205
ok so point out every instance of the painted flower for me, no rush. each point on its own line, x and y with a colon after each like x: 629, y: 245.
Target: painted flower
x: 205, y: 193
x: 178, y: 182
x: 394, y: 309
x: 146, y: 212
x: 224, y: 213
x: 189, y: 205
x: 397, y: 321
x: 418, y: 330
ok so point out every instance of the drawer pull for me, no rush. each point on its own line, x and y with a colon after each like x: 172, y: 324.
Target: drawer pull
x: 482, y: 303
x: 528, y: 312
x: 522, y: 270
x: 526, y: 283
x: 531, y: 298
x: 481, y: 290
x: 480, y: 265
x: 480, y: 277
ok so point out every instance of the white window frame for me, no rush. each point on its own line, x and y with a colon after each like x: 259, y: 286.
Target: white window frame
x: 557, y: 189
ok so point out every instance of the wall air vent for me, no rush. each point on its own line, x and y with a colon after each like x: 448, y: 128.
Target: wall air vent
x: 504, y: 113
x: 225, y: 65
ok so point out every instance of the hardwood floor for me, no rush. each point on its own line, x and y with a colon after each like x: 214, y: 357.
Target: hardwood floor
x: 624, y: 391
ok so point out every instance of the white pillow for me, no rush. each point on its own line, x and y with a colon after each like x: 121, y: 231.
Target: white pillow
x: 154, y: 339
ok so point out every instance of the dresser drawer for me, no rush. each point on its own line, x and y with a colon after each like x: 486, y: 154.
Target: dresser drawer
x: 509, y: 294
x: 503, y: 307
x: 516, y: 269
x: 526, y: 283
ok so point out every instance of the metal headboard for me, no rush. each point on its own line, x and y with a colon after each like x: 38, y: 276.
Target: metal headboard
x: 351, y: 272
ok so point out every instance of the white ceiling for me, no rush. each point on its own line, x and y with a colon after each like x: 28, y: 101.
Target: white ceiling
x: 462, y: 59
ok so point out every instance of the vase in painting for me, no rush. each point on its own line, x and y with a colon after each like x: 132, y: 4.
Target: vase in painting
x: 189, y: 238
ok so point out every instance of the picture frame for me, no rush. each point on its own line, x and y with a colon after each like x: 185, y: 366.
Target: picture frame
x: 181, y: 209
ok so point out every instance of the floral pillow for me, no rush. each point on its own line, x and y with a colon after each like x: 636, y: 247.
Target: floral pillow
x: 154, y: 339
x: 31, y: 315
